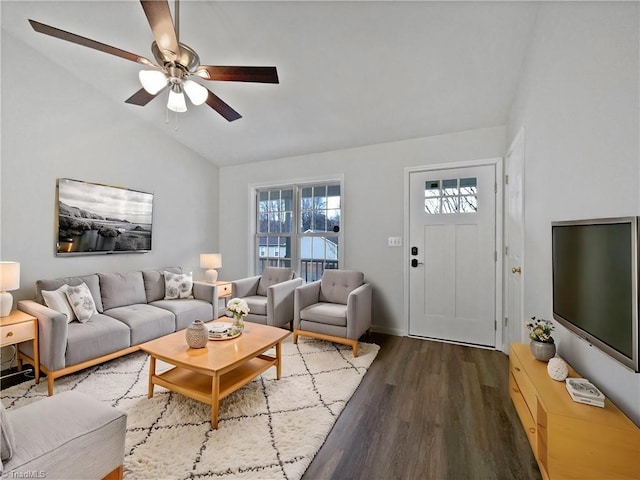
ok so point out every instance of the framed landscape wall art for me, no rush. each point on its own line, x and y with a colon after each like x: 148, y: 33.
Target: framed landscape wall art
x: 92, y: 218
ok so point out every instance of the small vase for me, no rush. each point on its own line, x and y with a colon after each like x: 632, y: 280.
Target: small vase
x: 197, y: 334
x: 238, y: 322
x: 543, y: 351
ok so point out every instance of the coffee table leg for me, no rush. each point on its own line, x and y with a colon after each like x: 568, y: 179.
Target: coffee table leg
x: 278, y: 360
x: 152, y: 372
x: 215, y: 400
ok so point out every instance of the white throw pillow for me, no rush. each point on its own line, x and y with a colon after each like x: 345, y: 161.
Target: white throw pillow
x: 58, y: 301
x: 82, y: 302
x: 177, y: 285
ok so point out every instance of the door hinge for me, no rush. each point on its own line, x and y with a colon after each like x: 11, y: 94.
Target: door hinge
x: 495, y: 256
x: 495, y: 187
x: 495, y: 325
x: 506, y: 321
x: 506, y: 249
x: 506, y: 179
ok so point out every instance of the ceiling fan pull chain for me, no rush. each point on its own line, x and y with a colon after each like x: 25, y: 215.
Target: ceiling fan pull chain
x: 176, y: 127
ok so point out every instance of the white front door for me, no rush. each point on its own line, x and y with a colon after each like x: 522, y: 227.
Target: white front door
x: 452, y: 254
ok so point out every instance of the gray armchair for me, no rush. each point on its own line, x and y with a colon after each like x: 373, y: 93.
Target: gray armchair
x: 336, y: 308
x: 269, y: 296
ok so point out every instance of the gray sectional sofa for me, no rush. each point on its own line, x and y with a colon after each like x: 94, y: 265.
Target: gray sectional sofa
x: 130, y: 309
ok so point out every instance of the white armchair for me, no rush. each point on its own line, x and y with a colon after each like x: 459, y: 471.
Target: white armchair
x: 269, y: 296
x: 336, y: 308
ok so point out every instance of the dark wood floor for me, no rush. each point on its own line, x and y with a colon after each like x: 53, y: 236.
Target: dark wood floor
x: 428, y: 410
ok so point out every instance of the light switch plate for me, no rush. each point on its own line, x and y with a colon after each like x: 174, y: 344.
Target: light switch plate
x: 395, y: 241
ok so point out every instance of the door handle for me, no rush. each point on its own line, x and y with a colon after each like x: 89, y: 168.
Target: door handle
x: 415, y: 263
x: 516, y: 270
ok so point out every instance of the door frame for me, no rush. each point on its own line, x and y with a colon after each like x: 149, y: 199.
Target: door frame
x: 497, y: 162
x: 513, y: 333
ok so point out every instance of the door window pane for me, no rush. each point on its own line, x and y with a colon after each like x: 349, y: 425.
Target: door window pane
x: 455, y: 195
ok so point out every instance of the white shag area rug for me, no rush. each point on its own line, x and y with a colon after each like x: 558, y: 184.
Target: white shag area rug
x: 269, y: 429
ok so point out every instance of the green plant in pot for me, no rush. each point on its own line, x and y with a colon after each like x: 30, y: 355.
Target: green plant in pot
x: 542, y: 344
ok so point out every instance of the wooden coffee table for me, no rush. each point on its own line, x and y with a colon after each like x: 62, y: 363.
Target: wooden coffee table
x: 209, y: 374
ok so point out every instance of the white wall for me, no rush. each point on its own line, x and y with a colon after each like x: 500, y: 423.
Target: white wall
x: 578, y: 104
x: 51, y: 131
x: 373, y: 206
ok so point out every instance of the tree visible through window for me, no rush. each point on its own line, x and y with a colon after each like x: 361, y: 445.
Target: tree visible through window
x: 304, y: 234
x: 456, y: 195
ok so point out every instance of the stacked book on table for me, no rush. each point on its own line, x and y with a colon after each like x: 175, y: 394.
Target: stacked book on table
x: 583, y: 391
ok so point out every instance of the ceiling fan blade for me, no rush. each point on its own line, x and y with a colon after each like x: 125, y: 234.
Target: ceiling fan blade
x: 238, y: 74
x: 141, y: 97
x: 87, y: 42
x: 222, y: 108
x: 164, y: 32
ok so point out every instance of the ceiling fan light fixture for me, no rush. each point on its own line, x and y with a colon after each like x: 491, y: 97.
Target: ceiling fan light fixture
x: 176, y: 102
x: 152, y: 80
x: 196, y: 92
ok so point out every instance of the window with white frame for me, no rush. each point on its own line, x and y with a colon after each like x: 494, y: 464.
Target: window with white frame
x: 299, y: 226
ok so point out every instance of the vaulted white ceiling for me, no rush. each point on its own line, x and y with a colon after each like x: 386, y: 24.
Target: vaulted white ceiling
x: 351, y: 73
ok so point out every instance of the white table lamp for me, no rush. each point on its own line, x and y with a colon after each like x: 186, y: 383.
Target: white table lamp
x: 9, y: 280
x: 211, y: 261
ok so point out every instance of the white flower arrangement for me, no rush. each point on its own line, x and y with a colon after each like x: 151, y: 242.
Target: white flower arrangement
x: 238, y: 307
x: 540, y: 330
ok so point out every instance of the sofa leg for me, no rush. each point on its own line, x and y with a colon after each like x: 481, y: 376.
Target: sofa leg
x: 295, y: 337
x: 50, y: 385
x: 115, y: 474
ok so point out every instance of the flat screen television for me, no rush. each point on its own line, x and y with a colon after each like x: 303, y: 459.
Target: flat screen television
x: 595, y: 283
x: 92, y: 218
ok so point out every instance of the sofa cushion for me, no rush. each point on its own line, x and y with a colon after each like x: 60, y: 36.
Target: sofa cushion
x: 154, y: 283
x: 257, y: 304
x: 327, y: 313
x: 100, y: 335
x: 271, y: 276
x: 336, y: 285
x: 68, y: 435
x: 145, y: 322
x: 81, y: 301
x: 121, y: 289
x: 92, y: 282
x: 7, y: 437
x: 58, y: 301
x: 177, y: 285
x: 186, y: 311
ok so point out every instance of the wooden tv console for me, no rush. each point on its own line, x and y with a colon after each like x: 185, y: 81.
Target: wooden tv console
x: 569, y: 439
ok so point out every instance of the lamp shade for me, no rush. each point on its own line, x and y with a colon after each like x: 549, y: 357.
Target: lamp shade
x: 210, y: 260
x: 9, y: 280
x: 9, y: 276
x: 196, y: 92
x: 152, y: 80
x: 176, y: 102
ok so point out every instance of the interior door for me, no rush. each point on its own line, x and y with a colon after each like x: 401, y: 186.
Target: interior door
x: 514, y: 243
x: 452, y: 256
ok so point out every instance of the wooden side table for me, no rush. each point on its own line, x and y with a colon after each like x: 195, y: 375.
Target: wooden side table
x: 224, y: 291
x: 20, y: 327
